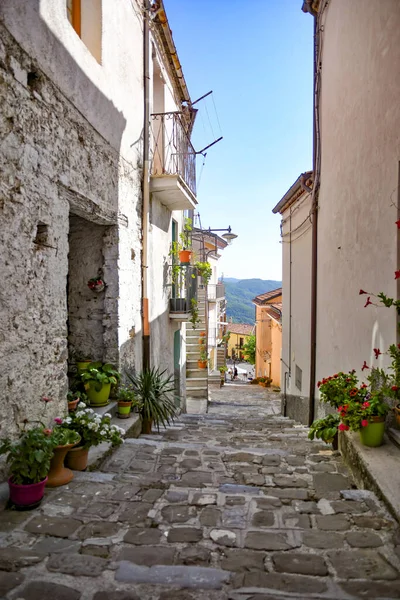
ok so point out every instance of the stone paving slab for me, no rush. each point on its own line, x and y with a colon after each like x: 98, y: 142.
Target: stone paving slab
x: 235, y: 504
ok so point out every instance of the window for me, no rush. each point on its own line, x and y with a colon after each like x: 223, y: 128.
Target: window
x: 298, y: 377
x: 241, y: 340
x: 85, y: 17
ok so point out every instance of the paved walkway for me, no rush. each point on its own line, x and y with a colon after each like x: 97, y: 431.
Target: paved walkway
x: 236, y: 505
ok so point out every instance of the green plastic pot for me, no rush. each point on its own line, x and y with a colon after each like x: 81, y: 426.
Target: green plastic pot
x: 82, y: 365
x: 372, y: 434
x: 124, y: 409
x: 98, y: 398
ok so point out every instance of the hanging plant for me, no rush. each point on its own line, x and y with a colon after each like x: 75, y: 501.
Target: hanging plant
x: 96, y: 284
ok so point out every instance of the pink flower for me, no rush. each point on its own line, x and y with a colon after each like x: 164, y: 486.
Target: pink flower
x: 366, y: 404
x: 364, y: 423
x: 343, y: 427
x: 58, y: 420
x: 365, y: 366
x: 47, y: 431
x: 46, y: 399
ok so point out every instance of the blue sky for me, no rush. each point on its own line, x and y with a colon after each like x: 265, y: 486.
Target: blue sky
x: 257, y: 57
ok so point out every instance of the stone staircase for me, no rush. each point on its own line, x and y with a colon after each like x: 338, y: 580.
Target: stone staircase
x: 196, y: 379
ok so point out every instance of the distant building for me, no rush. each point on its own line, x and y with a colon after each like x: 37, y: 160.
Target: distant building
x: 239, y: 335
x: 269, y: 335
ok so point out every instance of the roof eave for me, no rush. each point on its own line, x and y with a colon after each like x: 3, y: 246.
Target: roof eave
x: 290, y: 195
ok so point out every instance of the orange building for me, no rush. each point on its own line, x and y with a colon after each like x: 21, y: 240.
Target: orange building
x: 269, y: 335
x: 239, y: 335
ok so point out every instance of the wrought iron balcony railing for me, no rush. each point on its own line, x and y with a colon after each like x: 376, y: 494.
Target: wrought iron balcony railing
x: 183, y: 284
x: 172, y: 150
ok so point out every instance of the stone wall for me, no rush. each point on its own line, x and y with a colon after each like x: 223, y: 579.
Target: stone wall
x: 54, y: 164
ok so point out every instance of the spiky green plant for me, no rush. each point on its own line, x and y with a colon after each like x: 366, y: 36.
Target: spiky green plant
x: 155, y: 391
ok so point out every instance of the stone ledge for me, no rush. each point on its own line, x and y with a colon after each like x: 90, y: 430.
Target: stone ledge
x: 375, y: 469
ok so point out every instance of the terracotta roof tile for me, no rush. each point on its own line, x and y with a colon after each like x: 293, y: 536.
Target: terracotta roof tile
x: 265, y: 298
x: 243, y: 328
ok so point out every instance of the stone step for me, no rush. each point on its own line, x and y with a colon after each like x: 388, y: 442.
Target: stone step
x: 196, y: 372
x: 196, y: 382
x: 197, y: 392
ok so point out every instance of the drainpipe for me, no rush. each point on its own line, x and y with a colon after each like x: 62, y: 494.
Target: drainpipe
x: 314, y: 242
x: 146, y: 189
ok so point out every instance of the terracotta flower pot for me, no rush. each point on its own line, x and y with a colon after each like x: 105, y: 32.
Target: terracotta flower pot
x: 58, y: 474
x: 77, y: 458
x: 124, y: 409
x: 202, y: 364
x: 185, y: 256
x: 396, y: 410
x: 147, y: 426
x: 372, y: 434
x: 72, y: 405
x: 28, y: 496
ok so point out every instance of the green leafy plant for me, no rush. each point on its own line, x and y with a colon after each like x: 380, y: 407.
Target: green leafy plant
x: 63, y: 436
x: 29, y: 457
x: 204, y: 269
x: 91, y: 427
x: 155, y: 391
x: 99, y: 374
x: 325, y: 429
x: 76, y: 395
x: 194, y: 313
x: 335, y: 388
x: 249, y: 349
x: 223, y: 369
x: 185, y: 235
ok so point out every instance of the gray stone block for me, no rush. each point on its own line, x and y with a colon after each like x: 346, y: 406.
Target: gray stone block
x: 77, y: 564
x: 148, y: 555
x: 55, y: 526
x: 361, y: 564
x: 9, y: 581
x: 182, y: 576
x: 38, y: 590
x: 303, y: 564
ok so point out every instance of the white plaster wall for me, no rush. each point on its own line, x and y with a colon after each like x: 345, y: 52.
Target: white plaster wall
x: 296, y: 281
x: 360, y: 115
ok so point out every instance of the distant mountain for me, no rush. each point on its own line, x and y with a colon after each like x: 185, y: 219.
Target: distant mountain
x: 240, y: 293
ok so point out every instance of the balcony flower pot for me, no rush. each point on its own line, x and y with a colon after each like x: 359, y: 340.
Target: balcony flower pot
x: 27, y: 496
x: 58, y: 474
x: 77, y: 458
x: 202, y: 364
x: 124, y: 409
x: 185, y: 256
x: 372, y: 434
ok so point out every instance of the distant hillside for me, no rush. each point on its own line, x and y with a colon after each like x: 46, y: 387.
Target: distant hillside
x: 239, y: 294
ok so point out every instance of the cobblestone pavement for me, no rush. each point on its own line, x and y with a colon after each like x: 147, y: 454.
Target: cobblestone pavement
x: 236, y: 504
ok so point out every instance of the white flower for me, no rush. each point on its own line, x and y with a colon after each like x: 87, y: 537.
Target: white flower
x: 67, y: 420
x: 107, y: 415
x: 82, y: 405
x: 79, y: 413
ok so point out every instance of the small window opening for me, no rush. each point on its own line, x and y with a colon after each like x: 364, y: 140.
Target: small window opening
x: 33, y: 80
x: 298, y: 378
x: 42, y: 233
x: 86, y: 19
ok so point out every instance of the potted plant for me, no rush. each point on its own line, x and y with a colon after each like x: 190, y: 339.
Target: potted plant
x: 126, y: 399
x: 74, y: 398
x: 204, y: 270
x: 92, y: 430
x: 203, y: 359
x: 64, y: 439
x: 184, y: 250
x: 223, y: 370
x: 326, y: 429
x: 365, y: 411
x: 155, y: 391
x: 97, y: 380
x: 29, y: 458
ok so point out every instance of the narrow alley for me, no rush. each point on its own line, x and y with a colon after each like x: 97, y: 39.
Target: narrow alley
x: 237, y: 504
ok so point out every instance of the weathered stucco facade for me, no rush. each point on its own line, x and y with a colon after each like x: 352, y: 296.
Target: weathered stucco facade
x: 71, y: 203
x: 268, y: 333
x: 356, y: 195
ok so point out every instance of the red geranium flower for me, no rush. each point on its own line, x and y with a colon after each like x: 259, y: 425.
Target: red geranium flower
x: 376, y: 350
x: 365, y: 366
x: 318, y: 384
x: 364, y: 385
x: 58, y: 420
x: 364, y: 423
x: 396, y: 274
x: 343, y: 427
x: 366, y: 404
x: 362, y: 292
x: 398, y: 223
x: 368, y: 302
x: 353, y: 392
x: 395, y: 388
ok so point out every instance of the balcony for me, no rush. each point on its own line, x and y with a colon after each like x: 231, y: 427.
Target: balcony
x: 215, y: 292
x: 173, y: 162
x: 183, y: 282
